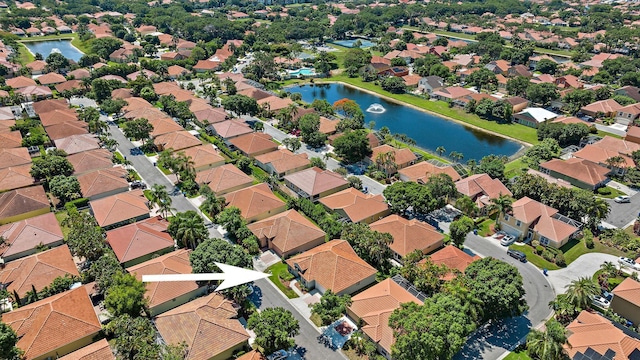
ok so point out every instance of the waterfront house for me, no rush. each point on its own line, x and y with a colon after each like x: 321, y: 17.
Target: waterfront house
x: 409, y: 235
x: 401, y: 158
x: 256, y: 202
x: 429, y: 84
x: 422, y: 171
x: 531, y: 220
x: 578, y: 172
x: 287, y: 233
x: 533, y: 116
x: 332, y: 266
x: 138, y: 242
x: 450, y: 93
x: 626, y: 300
x: 223, y: 179
x: 315, y: 183
x: 353, y: 205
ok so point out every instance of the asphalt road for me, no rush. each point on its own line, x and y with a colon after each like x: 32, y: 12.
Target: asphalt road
x: 152, y: 175
x: 623, y: 214
x: 266, y: 295
x: 493, y: 340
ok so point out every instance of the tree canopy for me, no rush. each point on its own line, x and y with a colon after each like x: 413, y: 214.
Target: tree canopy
x: 274, y: 329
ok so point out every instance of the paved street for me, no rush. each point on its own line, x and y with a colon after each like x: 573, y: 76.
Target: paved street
x: 584, y: 266
x: 622, y: 215
x: 266, y: 295
x: 493, y: 340
x: 152, y: 175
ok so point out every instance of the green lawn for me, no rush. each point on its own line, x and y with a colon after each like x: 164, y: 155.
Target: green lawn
x: 522, y: 355
x: 275, y: 271
x: 147, y: 194
x: 61, y: 216
x: 516, y: 131
x: 515, y: 168
x: 164, y: 171
x: 613, y: 193
x: 484, y: 228
x: 576, y: 248
x: 534, y: 258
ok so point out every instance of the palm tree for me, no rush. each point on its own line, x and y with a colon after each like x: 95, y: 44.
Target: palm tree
x: 609, y: 268
x: 386, y: 162
x: 597, y: 210
x: 440, y: 150
x: 502, y: 204
x: 97, y: 126
x: 615, y: 162
x: 579, y: 292
x: 185, y: 166
x: 190, y: 231
x: 548, y: 344
x: 213, y: 205
x: 160, y: 197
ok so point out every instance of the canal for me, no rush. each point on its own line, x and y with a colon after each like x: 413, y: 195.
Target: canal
x: 429, y: 131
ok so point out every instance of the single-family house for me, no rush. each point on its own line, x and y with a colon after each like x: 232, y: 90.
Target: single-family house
x: 178, y: 140
x: 609, y: 147
x: 604, y: 108
x: 204, y: 157
x: 287, y: 233
x: 451, y: 93
x: 208, y: 326
x: 355, y: 206
x: 401, y: 158
x: 12, y: 157
x: 429, y: 84
x: 422, y: 171
x: 453, y: 258
x: 481, y: 188
x: 633, y: 135
x: 100, y: 183
x: 16, y: 177
x: 517, y: 103
x: 51, y: 79
x: 56, y: 325
x: 254, y: 144
x: 533, y: 116
x: 282, y: 162
x: 164, y: 296
x: 10, y: 140
x: 120, y: 209
x: 91, y: 160
x: 498, y: 66
x: 256, y: 202
x: 532, y: 220
x: 22, y: 238
x: 77, y: 143
x: 626, y: 300
x: 578, y: 172
x: 628, y: 114
x: 20, y: 82
x: 67, y: 129
x: 373, y: 307
x: 99, y: 350
x: 223, y: 179
x: 315, y: 183
x: 23, y: 203
x: 138, y: 242
x: 332, y: 266
x: 629, y: 91
x: 409, y: 235
x: 591, y: 335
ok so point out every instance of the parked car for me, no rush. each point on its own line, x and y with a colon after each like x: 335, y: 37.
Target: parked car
x: 600, y: 302
x: 278, y: 355
x: 622, y: 199
x: 517, y: 255
x: 507, y: 240
x: 138, y: 185
x: 626, y: 262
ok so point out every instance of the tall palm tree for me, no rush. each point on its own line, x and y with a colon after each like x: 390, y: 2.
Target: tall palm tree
x: 160, y: 197
x: 579, y: 292
x: 597, y: 210
x: 548, y: 344
x: 185, y: 166
x: 440, y: 150
x: 502, y: 204
x: 190, y: 232
x: 213, y: 205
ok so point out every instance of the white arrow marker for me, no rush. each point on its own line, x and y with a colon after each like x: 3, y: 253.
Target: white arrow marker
x: 232, y: 276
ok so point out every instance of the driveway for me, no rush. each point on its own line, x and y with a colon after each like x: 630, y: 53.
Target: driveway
x: 622, y: 215
x: 266, y: 295
x: 493, y: 340
x: 584, y: 266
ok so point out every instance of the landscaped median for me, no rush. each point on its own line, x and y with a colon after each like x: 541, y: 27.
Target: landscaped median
x: 279, y: 273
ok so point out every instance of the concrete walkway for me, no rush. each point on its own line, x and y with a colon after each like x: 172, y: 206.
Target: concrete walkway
x: 624, y: 188
x: 585, y: 266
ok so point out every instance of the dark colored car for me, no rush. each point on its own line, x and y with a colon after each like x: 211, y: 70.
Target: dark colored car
x: 517, y: 255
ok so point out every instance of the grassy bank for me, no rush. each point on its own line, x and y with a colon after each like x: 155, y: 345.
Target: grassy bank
x: 514, y: 131
x: 26, y: 57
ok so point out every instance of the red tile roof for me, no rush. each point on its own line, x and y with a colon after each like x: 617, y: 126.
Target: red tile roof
x: 99, y: 350
x: 255, y: 201
x: 21, y: 201
x: 286, y: 231
x: 583, y: 170
x: 144, y: 237
x: 223, y: 178
x: 590, y: 330
x: 453, y: 258
x: 423, y: 170
x: 409, y: 235
x: 23, y: 236
x: 628, y: 290
x: 103, y: 181
x: 356, y: 205
x: 119, y: 207
x: 315, y: 181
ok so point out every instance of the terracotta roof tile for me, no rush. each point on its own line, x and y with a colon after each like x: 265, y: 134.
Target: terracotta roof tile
x: 207, y: 325
x: 409, y: 235
x: 212, y: 115
x: 255, y: 201
x: 25, y: 235
x: 134, y: 103
x: 333, y: 265
x: 204, y: 155
x: 51, y: 78
x: 231, y: 128
x: 287, y: 231
x: 176, y: 262
x: 103, y: 181
x: 254, y: 144
x: 629, y: 290
x: 165, y: 88
x: 99, y: 350
x: 66, y: 129
x: 223, y: 178
x: 402, y: 156
x: 356, y: 205
x: 583, y: 170
x: 121, y: 94
x: 15, y: 177
x: 77, y: 143
x: 144, y: 237
x: 283, y: 160
x: 590, y: 330
x: 11, y: 139
x: 146, y: 113
x: 275, y: 103
x: 14, y: 157
x: 20, y: 82
x: 38, y: 324
x: 58, y: 116
x: 45, y: 106
x: 453, y: 258
x: 177, y: 140
x: 605, y: 106
x: 164, y: 126
x: 119, y: 207
x: 21, y: 201
x: 91, y: 160
x: 540, y: 219
x: 423, y: 170
x: 37, y: 270
x: 480, y: 185
x: 252, y: 355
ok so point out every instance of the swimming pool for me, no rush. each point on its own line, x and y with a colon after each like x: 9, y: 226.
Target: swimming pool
x: 349, y: 43
x: 303, y: 72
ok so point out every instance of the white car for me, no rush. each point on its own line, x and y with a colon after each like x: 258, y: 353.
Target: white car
x: 600, y: 302
x: 507, y: 240
x: 278, y: 355
x: 626, y: 262
x: 622, y: 199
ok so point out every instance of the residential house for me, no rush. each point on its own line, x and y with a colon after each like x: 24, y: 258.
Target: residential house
x: 602, y: 109
x: 287, y: 233
x: 37, y: 271
x: 70, y: 85
x: 282, y: 162
x: 568, y: 82
x: 10, y: 140
x: 315, y: 183
x: 100, y: 183
x: 481, y: 188
x: 23, y: 203
x: 429, y: 84
x: 401, y: 158
x: 22, y: 238
x: 91, y: 160
x: 204, y: 157
x: 229, y: 129
x: 550, y: 179
x: 453, y: 258
x: 58, y: 116
x: 178, y: 140
x: 163, y: 126
x: 591, y: 334
x: 519, y: 70
x: 273, y: 104
x: 533, y: 116
x: 99, y: 350
x: 628, y: 114
x: 626, y: 300
x: 373, y: 307
x: 224, y: 179
x: 51, y: 79
x: 208, y: 326
x: 79, y: 74
x: 633, y: 135
x: 498, y: 66
x: 629, y: 91
x: 409, y: 235
x: 332, y: 266
x: 77, y: 143
x: 517, y: 103
x: 138, y: 242
x: 55, y: 326
x: 37, y: 67
x: 609, y: 147
x: 120, y: 209
x: 254, y: 144
x: 355, y: 206
x: 450, y: 93
x: 256, y: 202
x: 578, y: 172
x: 164, y: 296
x: 20, y: 82
x: 16, y: 177
x: 531, y: 220
x: 14, y: 157
x: 422, y: 171
x: 67, y: 129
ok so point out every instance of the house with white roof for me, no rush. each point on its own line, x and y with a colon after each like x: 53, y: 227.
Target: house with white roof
x: 533, y: 116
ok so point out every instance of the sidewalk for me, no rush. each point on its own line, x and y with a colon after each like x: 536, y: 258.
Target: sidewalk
x: 624, y: 188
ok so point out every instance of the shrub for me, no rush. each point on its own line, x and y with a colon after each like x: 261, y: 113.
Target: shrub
x: 560, y: 261
x: 286, y: 276
x: 539, y: 249
x: 604, y: 191
x: 535, y: 243
x: 548, y: 255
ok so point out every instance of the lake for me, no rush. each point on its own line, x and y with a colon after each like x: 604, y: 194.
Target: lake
x: 428, y: 131
x: 45, y: 48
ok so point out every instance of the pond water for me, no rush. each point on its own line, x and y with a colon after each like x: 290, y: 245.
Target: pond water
x: 62, y: 46
x: 429, y: 131
x: 349, y: 43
